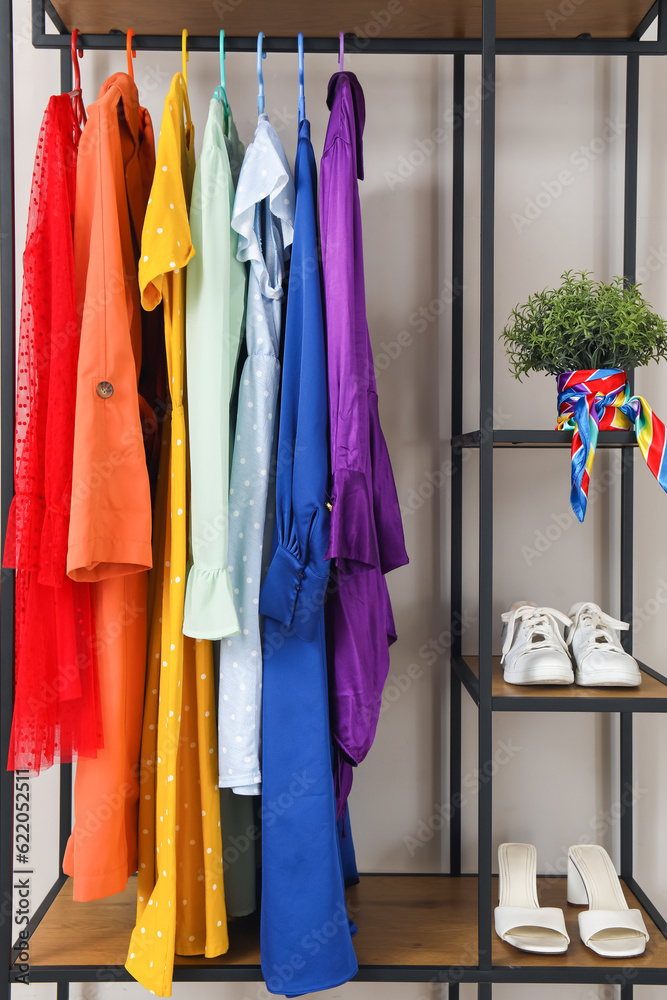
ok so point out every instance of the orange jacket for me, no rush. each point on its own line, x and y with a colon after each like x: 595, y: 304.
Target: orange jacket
x: 110, y: 526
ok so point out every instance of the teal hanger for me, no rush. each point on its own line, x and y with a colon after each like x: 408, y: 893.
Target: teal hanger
x: 302, y: 94
x: 260, y: 75
x: 220, y: 93
x: 222, y: 58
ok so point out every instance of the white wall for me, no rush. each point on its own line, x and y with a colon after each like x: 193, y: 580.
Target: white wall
x: 561, y: 785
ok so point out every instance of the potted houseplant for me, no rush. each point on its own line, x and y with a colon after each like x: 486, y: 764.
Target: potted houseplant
x: 590, y: 334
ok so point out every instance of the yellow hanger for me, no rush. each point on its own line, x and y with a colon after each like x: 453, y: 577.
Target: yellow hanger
x: 186, y: 56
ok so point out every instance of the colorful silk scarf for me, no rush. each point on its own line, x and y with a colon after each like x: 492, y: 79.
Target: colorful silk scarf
x: 594, y: 400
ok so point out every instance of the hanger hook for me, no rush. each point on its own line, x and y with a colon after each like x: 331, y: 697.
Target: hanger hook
x: 131, y: 53
x: 223, y: 56
x: 341, y: 49
x: 260, y: 75
x: 185, y: 54
x: 302, y: 94
x: 75, y: 60
x: 75, y: 94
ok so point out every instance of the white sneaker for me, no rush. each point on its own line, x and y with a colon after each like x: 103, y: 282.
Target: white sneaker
x: 534, y: 651
x: 600, y: 660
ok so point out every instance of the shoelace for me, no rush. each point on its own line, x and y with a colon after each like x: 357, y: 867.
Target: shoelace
x: 543, y: 620
x: 601, y: 637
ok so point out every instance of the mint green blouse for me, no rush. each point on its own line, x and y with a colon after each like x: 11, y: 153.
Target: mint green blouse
x: 215, y: 303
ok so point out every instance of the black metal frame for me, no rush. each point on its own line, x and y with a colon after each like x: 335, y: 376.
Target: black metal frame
x: 485, y: 440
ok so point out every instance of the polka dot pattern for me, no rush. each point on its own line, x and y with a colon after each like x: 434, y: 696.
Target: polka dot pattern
x: 186, y: 840
x: 46, y: 389
x: 265, y: 172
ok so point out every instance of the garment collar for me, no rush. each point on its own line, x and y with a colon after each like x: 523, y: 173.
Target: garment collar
x: 130, y: 97
x: 339, y: 85
x: 135, y: 122
x: 304, y: 129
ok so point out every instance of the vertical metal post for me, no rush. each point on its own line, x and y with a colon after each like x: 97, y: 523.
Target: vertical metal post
x: 486, y: 344
x: 455, y: 749
x: 65, y: 815
x: 484, y: 991
x: 662, y: 20
x: 627, y: 454
x: 627, y: 991
x: 456, y: 543
x: 7, y: 340
x: 453, y: 991
x: 38, y: 17
x: 627, y: 796
x: 65, y: 71
x: 63, y: 991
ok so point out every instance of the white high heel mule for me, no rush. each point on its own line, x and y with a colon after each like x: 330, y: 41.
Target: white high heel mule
x: 519, y: 918
x: 608, y: 927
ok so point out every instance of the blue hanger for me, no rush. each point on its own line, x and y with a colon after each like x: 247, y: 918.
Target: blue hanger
x: 341, y: 49
x: 260, y: 75
x: 302, y: 95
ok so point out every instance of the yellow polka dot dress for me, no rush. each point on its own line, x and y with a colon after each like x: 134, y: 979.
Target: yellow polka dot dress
x: 181, y: 904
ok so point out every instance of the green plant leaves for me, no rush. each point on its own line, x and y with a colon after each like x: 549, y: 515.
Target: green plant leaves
x: 584, y: 324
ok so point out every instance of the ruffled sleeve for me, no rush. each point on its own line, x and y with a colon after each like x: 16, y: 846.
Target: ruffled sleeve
x: 165, y: 243
x: 209, y: 604
x: 266, y: 173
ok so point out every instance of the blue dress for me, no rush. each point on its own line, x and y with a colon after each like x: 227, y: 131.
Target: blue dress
x: 306, y: 942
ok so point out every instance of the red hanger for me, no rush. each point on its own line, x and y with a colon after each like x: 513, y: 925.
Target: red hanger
x: 77, y: 100
x: 131, y: 54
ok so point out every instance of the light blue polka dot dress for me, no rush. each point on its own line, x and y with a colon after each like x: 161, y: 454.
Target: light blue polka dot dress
x: 263, y: 216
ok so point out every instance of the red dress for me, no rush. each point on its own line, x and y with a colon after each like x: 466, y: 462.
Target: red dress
x: 56, y: 711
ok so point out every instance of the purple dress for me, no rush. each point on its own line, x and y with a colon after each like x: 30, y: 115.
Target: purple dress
x: 366, y: 539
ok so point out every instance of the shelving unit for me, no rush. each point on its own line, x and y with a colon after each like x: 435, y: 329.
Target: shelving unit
x: 412, y: 928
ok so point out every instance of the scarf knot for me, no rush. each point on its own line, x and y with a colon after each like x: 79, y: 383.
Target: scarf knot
x: 594, y: 400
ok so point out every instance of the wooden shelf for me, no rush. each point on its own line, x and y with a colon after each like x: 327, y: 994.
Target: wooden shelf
x: 409, y: 922
x: 402, y: 920
x: 651, y: 696
x: 98, y: 933
x: 410, y: 19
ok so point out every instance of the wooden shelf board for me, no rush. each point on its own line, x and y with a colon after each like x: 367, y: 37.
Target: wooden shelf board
x: 404, y: 921
x: 421, y: 920
x: 404, y: 19
x: 553, y: 892
x: 650, y: 689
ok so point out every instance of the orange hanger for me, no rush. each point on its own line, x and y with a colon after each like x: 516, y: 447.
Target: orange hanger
x: 131, y: 53
x: 77, y: 100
